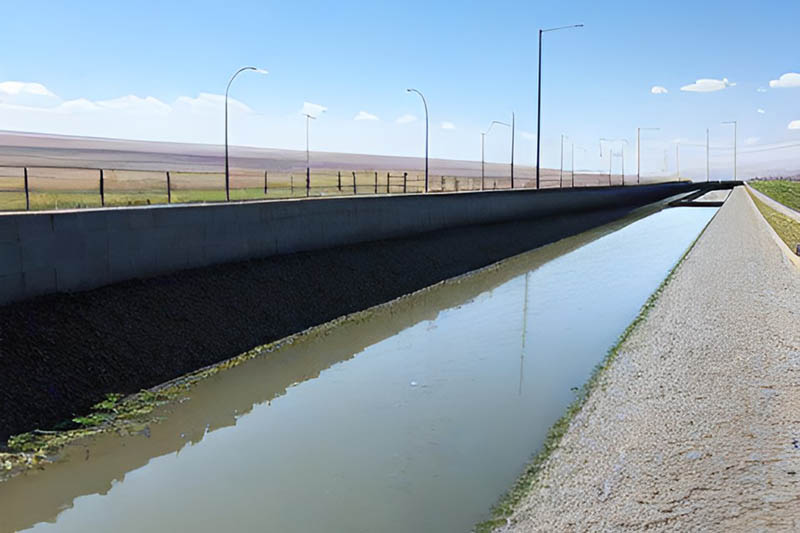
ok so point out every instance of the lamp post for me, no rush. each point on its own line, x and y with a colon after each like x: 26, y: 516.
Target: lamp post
x: 611, y: 156
x: 639, y: 150
x: 561, y: 165
x: 483, y: 139
x: 708, y: 166
x: 734, y: 146
x: 539, y: 105
x: 308, y: 158
x: 572, y: 182
x: 424, y: 103
x: 227, y: 165
x: 513, y: 136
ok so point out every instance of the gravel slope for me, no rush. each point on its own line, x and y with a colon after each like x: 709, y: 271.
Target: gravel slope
x: 696, y: 424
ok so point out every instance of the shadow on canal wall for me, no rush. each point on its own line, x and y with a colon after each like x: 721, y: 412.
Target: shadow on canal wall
x: 91, y: 467
x: 63, y: 251
x: 61, y: 353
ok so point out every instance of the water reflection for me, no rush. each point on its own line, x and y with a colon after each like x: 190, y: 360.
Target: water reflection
x: 422, y: 431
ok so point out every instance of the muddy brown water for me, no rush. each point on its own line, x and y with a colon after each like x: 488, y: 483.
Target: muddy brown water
x: 416, y: 418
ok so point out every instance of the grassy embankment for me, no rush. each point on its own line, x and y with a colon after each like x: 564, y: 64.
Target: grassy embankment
x: 783, y: 191
x: 68, y: 191
x: 787, y: 228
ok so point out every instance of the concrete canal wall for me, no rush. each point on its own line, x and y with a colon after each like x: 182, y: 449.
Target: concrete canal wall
x: 66, y: 251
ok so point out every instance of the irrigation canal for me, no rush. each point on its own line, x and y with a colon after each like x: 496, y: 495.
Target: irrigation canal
x: 417, y: 418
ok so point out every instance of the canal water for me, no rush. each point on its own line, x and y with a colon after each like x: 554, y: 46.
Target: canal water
x: 416, y: 418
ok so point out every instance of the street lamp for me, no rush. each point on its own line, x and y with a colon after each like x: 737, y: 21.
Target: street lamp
x: 483, y: 139
x: 611, y: 156
x: 734, y: 146
x: 708, y: 165
x: 639, y: 150
x: 572, y: 151
x: 539, y: 106
x: 227, y: 89
x: 424, y: 103
x: 309, y: 117
x: 561, y: 168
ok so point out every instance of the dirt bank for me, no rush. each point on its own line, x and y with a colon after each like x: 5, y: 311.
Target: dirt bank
x: 694, y: 425
x: 61, y: 354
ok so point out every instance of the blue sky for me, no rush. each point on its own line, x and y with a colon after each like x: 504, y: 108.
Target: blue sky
x: 475, y: 62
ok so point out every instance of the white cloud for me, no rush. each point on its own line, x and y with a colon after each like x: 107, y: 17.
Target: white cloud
x: 761, y: 90
x: 363, y: 115
x: 23, y: 93
x: 448, y: 126
x: 77, y: 106
x: 760, y: 111
x: 312, y: 109
x: 528, y: 135
x: 794, y: 125
x: 208, y: 102
x: 406, y: 119
x: 658, y: 89
x: 790, y: 79
x: 136, y: 104
x: 707, y: 85
x: 751, y: 140
x: 22, y: 87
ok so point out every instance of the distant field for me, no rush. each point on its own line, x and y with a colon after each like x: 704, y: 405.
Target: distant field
x: 783, y: 191
x: 63, y: 173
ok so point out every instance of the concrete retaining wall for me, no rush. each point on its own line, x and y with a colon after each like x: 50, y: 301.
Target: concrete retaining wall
x: 63, y: 251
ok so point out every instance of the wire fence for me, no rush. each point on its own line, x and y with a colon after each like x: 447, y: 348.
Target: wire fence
x: 38, y: 188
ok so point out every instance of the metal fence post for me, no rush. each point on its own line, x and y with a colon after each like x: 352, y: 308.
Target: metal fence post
x: 376, y: 182
x: 102, y: 191
x: 339, y: 186
x: 169, y: 189
x: 354, y: 183
x: 308, y: 181
x: 265, y: 183
x: 27, y: 194
x: 388, y: 181
x: 405, y: 180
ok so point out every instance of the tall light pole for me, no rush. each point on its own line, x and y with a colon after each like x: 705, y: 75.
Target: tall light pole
x: 308, y: 158
x: 639, y: 151
x: 424, y: 103
x: 483, y: 139
x: 227, y: 166
x: 561, y: 168
x: 734, y: 146
x: 572, y: 166
x: 708, y: 166
x: 611, y: 155
x: 539, y: 105
x: 513, y: 135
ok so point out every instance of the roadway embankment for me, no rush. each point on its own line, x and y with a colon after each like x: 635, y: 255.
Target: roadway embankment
x: 693, y: 426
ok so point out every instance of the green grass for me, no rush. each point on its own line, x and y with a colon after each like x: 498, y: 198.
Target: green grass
x: 787, y: 228
x: 783, y: 191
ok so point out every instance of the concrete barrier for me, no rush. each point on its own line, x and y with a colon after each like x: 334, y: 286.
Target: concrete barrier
x: 64, y: 251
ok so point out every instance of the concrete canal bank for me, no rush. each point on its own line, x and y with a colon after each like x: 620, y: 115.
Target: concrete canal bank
x: 63, y: 251
x: 62, y: 353
x: 415, y: 415
x: 694, y: 426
